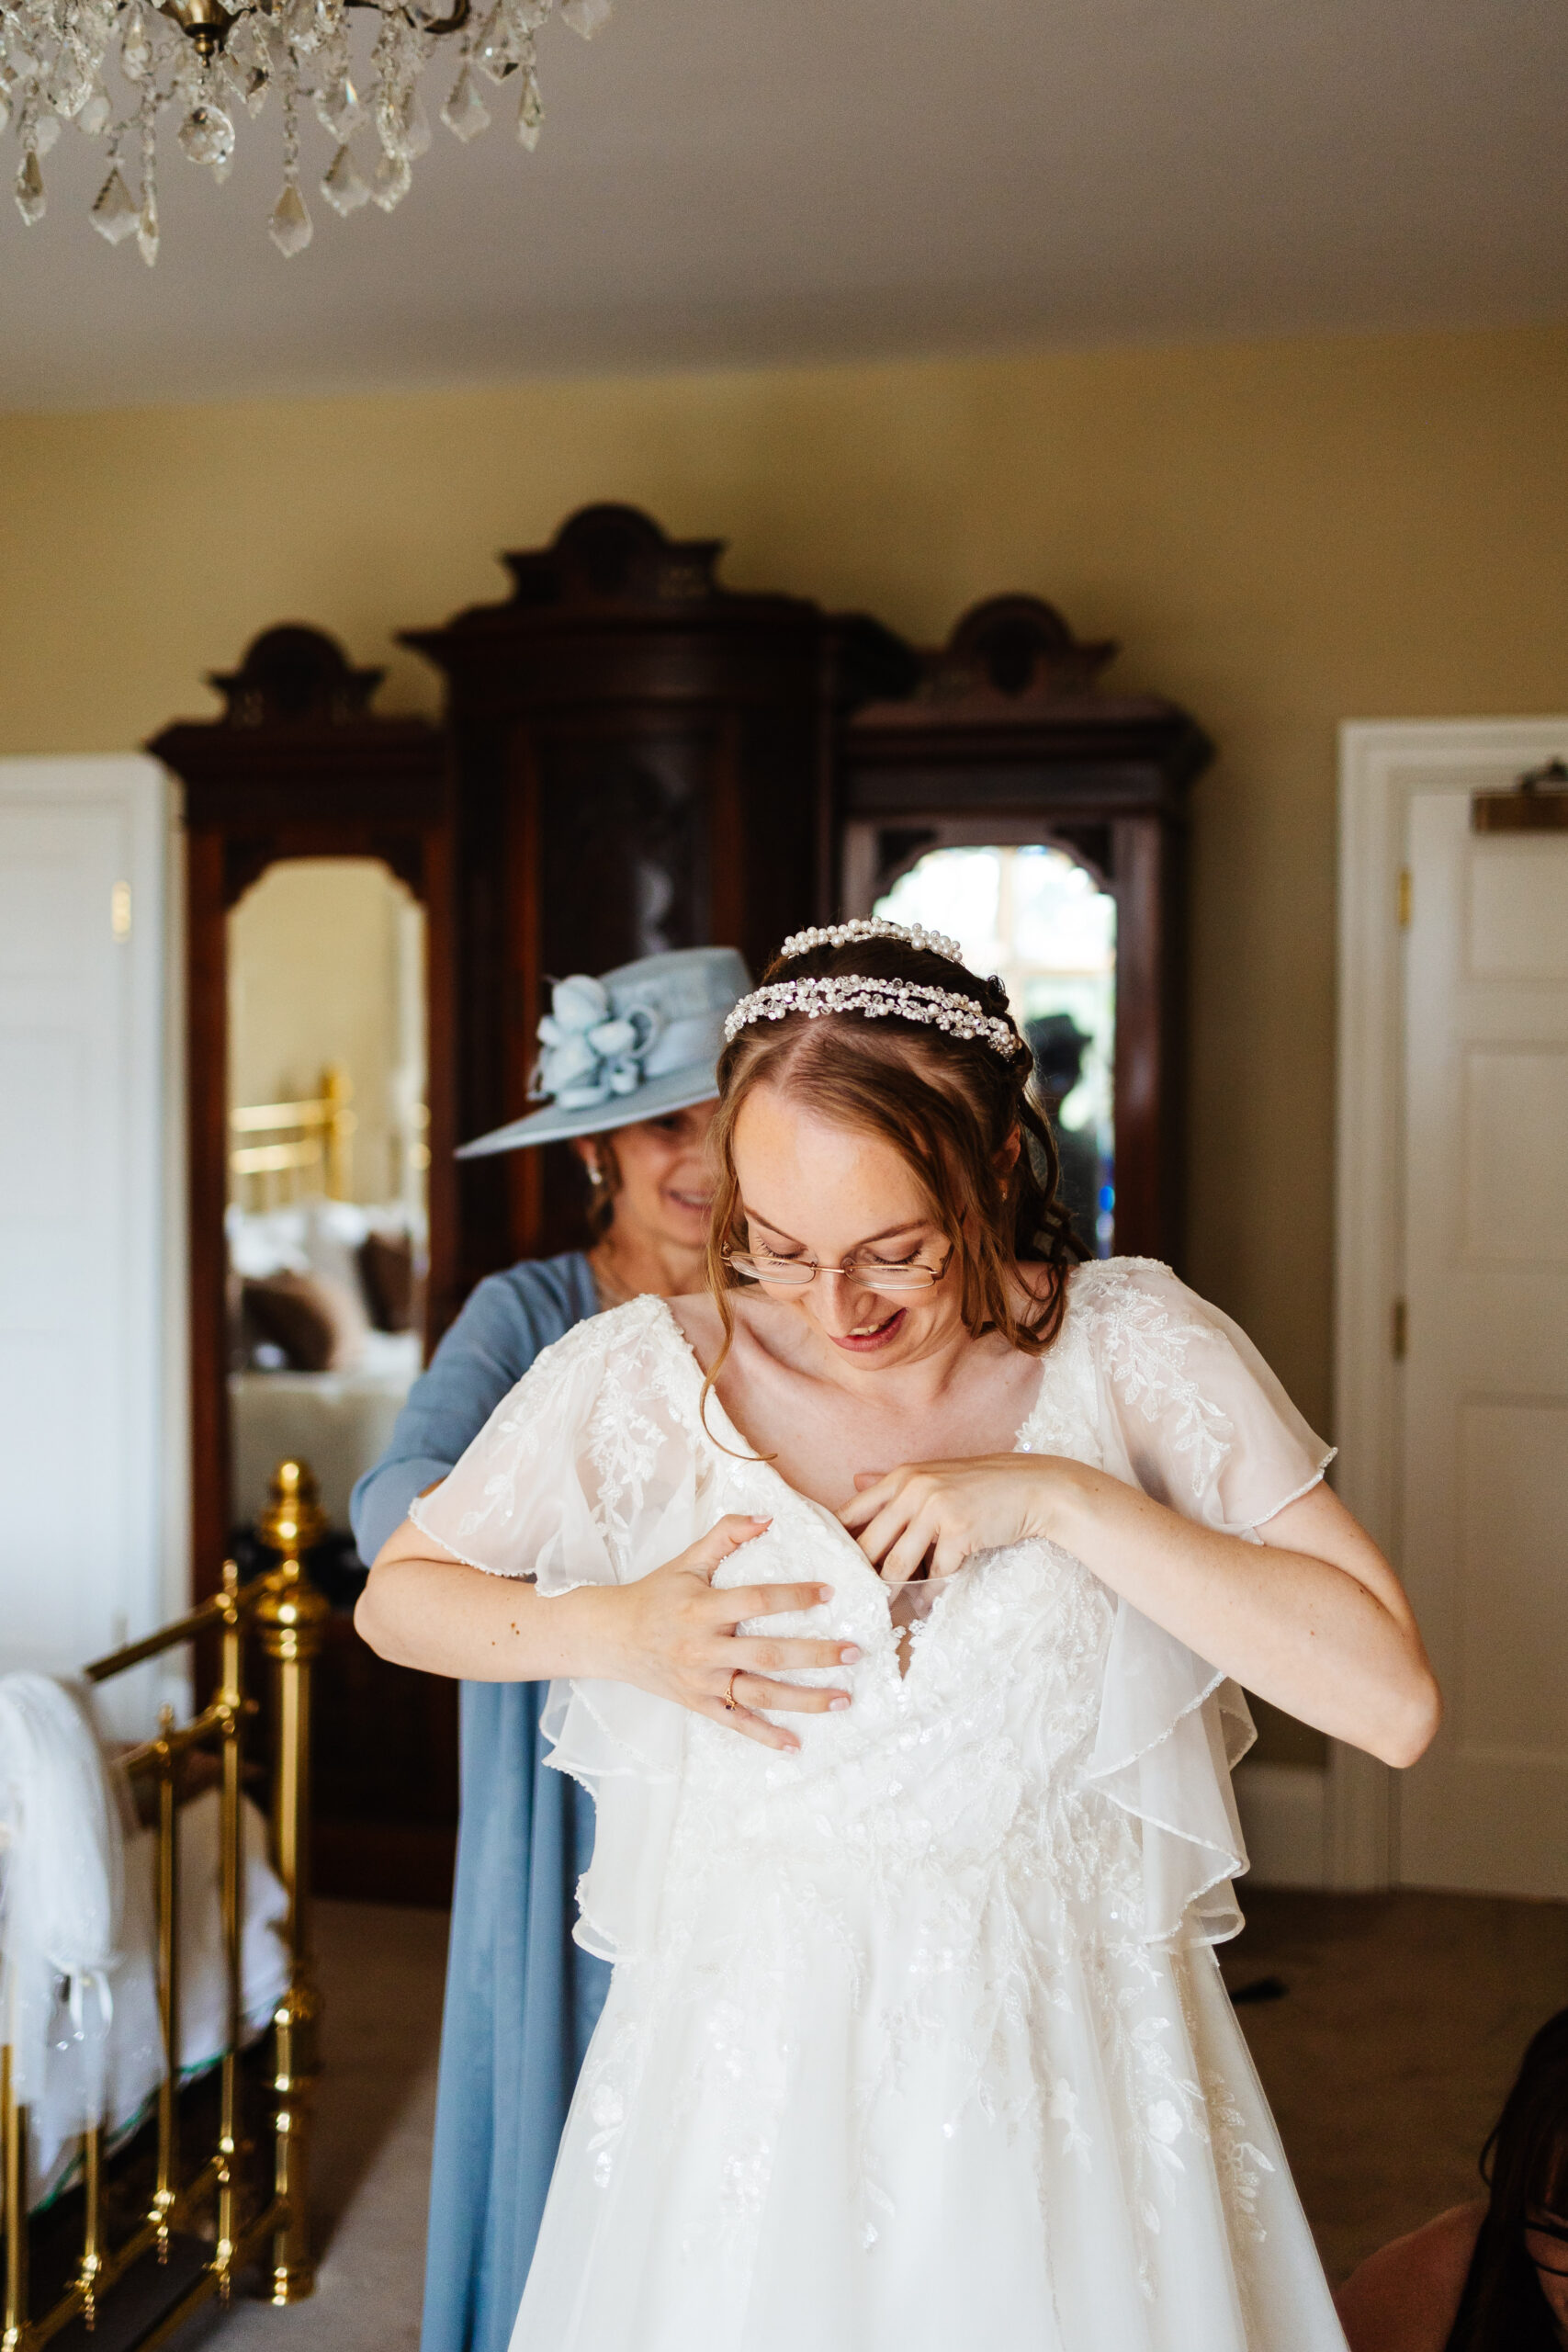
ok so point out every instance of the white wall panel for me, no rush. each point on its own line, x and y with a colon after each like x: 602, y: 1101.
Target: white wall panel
x: 83, y: 1114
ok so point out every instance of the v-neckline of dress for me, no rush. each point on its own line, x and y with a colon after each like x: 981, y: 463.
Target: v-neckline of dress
x: 754, y: 1458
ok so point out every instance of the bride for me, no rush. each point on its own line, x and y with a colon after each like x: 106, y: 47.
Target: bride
x: 916, y: 2039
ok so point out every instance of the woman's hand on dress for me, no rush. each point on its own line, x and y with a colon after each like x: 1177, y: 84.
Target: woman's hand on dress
x: 934, y: 1514
x: 674, y: 1635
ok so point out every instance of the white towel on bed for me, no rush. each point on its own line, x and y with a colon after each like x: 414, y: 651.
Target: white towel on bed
x: 78, y: 1984
x: 61, y: 1896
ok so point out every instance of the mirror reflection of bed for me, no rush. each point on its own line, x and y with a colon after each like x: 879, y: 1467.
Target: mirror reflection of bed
x: 326, y: 1217
x: 1040, y: 919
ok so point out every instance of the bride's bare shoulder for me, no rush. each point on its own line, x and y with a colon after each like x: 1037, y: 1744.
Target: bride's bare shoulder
x: 697, y: 1318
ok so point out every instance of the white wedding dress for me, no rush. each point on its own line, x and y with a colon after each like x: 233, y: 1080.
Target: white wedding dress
x: 916, y: 2041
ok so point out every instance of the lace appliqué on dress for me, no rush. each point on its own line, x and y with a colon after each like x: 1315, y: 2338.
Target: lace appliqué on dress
x: 1144, y: 1347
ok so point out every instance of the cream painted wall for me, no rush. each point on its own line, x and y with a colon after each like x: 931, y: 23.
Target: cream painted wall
x: 1282, y: 535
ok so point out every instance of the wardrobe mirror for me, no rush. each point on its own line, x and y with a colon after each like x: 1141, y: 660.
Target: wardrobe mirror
x: 325, y: 1220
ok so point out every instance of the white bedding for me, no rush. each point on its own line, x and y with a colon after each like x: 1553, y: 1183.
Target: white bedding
x: 339, y: 1422
x: 135, y: 2041
x: 78, y: 1968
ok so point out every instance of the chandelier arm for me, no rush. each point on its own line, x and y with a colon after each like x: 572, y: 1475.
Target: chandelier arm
x: 452, y: 24
x: 205, y: 23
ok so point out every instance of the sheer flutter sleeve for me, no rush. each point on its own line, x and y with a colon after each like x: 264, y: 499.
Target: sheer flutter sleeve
x: 585, y: 1475
x: 1188, y: 1411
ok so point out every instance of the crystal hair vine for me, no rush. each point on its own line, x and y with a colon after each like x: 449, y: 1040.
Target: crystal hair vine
x: 934, y: 1008
x: 840, y: 934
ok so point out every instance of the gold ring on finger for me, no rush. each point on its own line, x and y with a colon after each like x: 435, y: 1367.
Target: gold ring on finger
x: 727, y: 1694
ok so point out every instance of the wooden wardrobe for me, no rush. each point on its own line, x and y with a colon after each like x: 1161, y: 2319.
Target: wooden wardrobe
x: 633, y: 757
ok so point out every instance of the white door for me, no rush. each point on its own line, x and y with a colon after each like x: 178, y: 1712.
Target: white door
x: 1484, y: 1472
x: 81, y: 1116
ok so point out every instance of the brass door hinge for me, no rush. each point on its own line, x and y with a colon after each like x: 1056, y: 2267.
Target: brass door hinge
x: 1404, y: 897
x: 1400, y: 1321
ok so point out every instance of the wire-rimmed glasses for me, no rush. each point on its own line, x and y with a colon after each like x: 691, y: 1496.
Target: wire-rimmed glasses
x: 795, y: 1273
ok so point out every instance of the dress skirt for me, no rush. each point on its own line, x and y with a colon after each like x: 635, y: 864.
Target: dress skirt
x: 916, y: 2038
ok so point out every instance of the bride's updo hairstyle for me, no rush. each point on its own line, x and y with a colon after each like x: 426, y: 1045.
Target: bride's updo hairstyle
x: 947, y: 1103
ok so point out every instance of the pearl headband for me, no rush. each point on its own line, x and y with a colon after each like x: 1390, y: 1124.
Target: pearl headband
x: 838, y: 934
x: 852, y: 992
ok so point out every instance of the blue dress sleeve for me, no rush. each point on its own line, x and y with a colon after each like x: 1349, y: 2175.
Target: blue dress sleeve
x: 508, y: 1318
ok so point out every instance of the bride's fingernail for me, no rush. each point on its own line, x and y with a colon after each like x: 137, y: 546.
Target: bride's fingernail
x: 848, y: 1656
x: 837, y: 1703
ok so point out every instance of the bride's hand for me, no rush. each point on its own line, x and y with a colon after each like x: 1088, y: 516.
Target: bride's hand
x: 675, y: 1636
x: 935, y: 1513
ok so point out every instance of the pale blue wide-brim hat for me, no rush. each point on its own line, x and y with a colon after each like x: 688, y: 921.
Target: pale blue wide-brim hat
x: 640, y: 1041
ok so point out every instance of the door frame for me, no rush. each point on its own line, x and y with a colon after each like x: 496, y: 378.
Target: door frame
x: 150, y: 1566
x: 1383, y: 764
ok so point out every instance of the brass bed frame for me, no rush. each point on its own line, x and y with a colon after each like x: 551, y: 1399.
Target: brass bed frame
x: 313, y: 1145
x: 232, y: 2186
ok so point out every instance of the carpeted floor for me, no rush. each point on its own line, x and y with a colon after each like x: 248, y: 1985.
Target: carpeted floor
x: 1385, y: 2058
x: 380, y: 1973
x: 1388, y: 2057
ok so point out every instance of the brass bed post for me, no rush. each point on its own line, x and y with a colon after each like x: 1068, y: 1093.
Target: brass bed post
x: 92, y: 2260
x: 14, y: 2163
x: 290, y: 1619
x: 167, y: 1904
x: 231, y: 1697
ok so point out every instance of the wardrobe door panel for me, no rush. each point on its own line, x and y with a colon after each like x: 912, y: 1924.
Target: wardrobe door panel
x: 643, y: 760
x: 626, y: 851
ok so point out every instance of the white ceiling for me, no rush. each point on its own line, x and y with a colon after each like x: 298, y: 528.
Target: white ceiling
x: 746, y: 180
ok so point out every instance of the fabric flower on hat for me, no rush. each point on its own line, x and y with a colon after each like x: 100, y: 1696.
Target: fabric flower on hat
x: 591, y: 1052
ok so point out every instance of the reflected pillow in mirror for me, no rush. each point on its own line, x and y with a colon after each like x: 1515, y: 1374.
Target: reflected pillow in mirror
x: 318, y: 1326
x: 387, y: 1275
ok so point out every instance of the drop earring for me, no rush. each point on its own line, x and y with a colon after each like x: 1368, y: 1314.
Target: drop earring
x: 595, y: 1174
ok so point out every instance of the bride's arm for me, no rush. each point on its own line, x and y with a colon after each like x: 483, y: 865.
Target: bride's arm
x: 1313, y: 1618
x: 668, y: 1633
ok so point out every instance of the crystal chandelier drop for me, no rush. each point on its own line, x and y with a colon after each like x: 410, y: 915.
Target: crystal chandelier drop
x: 204, y: 61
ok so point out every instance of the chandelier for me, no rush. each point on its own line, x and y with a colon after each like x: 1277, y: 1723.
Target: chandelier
x: 206, y: 62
